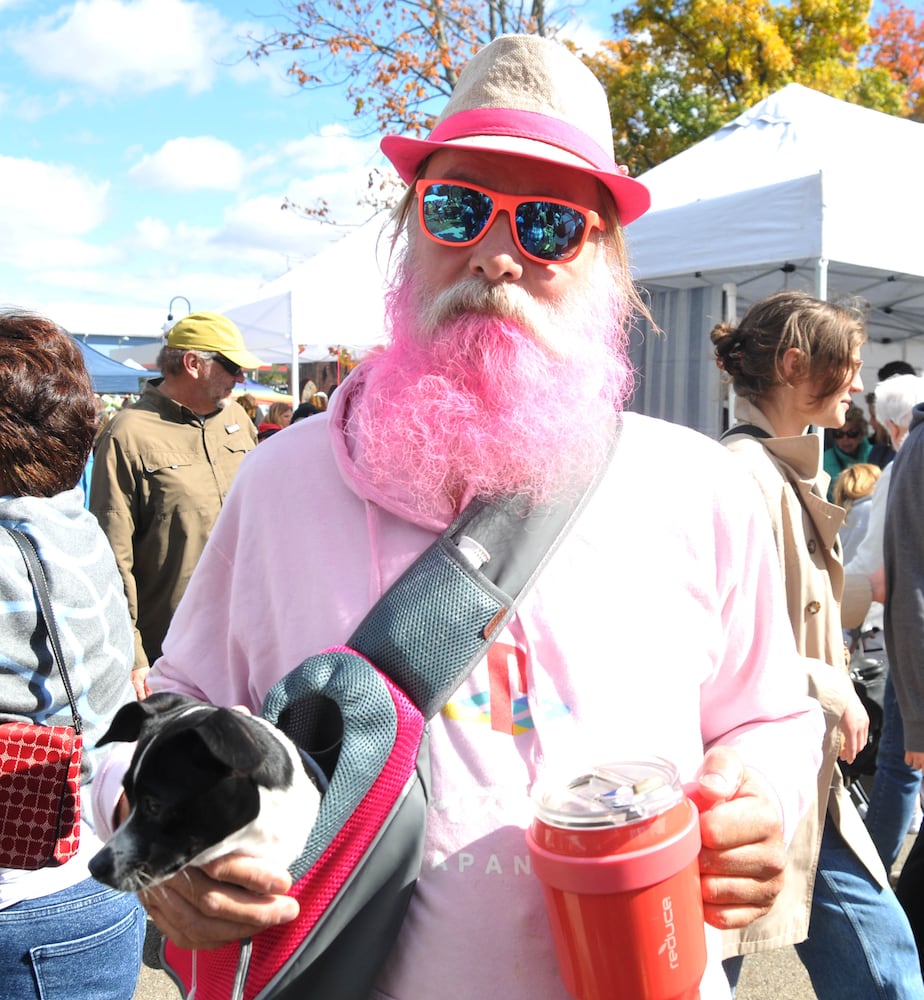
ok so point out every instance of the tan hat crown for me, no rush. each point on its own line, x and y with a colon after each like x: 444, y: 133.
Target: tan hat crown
x: 530, y: 73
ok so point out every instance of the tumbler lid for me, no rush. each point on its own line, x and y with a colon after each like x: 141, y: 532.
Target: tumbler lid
x: 614, y: 794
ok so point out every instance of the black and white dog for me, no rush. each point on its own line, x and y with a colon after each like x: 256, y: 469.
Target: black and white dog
x: 203, y: 782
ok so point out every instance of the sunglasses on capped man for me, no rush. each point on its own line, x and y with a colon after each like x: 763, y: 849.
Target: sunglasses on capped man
x: 229, y: 366
x: 545, y: 230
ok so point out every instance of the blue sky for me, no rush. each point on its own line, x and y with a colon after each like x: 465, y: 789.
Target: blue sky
x: 143, y: 157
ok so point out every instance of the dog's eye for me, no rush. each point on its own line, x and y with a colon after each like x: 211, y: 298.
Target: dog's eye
x: 151, y: 806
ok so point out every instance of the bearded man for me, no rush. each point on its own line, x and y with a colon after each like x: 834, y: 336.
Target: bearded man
x: 650, y: 630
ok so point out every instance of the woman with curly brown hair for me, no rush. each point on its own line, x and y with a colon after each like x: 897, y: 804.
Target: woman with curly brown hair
x: 794, y: 363
x: 62, y: 934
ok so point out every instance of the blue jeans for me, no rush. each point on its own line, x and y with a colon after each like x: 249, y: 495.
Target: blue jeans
x: 860, y: 945
x: 85, y: 941
x: 895, y: 786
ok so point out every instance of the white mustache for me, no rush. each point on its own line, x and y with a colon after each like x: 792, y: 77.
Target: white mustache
x: 473, y: 295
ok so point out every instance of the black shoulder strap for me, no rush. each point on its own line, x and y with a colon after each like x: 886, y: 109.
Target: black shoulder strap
x: 751, y: 429
x: 40, y: 587
x: 438, y: 619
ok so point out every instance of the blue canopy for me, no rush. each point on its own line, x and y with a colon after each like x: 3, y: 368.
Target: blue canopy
x: 111, y: 376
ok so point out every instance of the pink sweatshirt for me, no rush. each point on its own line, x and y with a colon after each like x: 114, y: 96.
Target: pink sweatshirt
x: 658, y: 628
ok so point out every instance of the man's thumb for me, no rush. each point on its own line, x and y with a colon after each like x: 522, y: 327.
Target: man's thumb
x: 720, y: 775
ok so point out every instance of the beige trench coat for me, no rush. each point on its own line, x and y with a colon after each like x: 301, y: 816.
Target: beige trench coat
x: 789, y: 474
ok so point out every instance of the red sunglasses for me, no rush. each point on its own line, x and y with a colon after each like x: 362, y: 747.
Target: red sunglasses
x: 545, y: 230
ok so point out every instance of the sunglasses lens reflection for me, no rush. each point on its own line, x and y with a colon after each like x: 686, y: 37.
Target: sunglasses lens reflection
x: 455, y: 214
x: 549, y: 230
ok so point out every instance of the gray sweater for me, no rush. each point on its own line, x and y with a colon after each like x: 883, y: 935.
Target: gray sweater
x: 89, y: 604
x: 903, y: 545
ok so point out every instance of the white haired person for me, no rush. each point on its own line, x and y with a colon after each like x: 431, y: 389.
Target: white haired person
x: 896, y: 784
x: 515, y: 278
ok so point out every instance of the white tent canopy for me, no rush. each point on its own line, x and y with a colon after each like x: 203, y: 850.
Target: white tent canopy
x: 333, y: 300
x: 801, y: 191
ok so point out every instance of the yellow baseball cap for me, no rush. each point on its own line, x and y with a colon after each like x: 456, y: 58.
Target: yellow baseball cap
x: 208, y: 331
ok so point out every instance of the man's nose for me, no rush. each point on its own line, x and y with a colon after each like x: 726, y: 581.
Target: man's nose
x: 496, y: 256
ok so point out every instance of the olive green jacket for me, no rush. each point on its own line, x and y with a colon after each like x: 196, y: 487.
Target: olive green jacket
x: 160, y: 477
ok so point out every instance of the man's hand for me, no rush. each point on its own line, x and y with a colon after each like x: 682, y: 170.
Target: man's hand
x: 915, y: 759
x: 226, y: 900
x: 742, y: 858
x: 140, y: 682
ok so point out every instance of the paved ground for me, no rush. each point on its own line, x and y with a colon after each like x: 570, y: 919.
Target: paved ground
x: 776, y: 975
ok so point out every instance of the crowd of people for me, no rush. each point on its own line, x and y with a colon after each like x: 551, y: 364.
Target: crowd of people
x: 734, y: 666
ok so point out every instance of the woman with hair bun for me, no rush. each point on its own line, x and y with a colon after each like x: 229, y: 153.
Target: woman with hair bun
x: 62, y: 933
x: 794, y: 363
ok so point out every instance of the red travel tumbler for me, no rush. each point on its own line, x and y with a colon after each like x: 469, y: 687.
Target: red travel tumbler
x: 617, y: 853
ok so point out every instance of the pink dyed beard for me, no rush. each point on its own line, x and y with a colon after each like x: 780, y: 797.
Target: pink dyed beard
x: 478, y: 406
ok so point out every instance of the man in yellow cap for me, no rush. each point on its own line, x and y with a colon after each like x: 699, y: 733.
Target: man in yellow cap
x: 163, y: 468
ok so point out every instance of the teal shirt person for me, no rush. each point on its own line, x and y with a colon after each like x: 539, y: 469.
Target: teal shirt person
x: 851, y: 445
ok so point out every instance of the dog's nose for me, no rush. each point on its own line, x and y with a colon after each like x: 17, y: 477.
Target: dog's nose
x: 101, y: 865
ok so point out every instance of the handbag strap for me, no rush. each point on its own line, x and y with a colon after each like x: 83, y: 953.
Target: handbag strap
x: 40, y: 587
x: 752, y: 429
x: 435, y: 623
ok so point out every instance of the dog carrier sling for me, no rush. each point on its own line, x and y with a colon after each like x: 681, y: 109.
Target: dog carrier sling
x: 360, y: 711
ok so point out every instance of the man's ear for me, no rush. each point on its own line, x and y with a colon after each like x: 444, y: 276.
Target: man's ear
x: 193, y: 364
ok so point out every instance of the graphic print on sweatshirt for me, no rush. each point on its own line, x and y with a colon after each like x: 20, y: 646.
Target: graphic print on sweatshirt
x: 505, y: 705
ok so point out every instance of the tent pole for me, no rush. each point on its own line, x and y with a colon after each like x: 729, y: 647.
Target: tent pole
x: 729, y: 315
x: 821, y: 292
x: 821, y: 278
x: 293, y: 375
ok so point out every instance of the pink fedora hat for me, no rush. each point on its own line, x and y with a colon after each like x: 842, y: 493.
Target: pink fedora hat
x: 528, y: 96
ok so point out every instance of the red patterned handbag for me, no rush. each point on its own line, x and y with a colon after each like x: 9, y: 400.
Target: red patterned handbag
x: 40, y: 765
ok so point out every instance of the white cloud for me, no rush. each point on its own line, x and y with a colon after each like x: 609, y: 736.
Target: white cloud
x: 261, y: 224
x: 119, y: 46
x: 201, y: 163
x: 102, y: 317
x: 35, y: 107
x: 585, y: 33
x: 49, y: 198
x: 333, y: 148
x: 153, y: 233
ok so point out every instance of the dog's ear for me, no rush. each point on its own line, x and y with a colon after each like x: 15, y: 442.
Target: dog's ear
x: 230, y: 737
x: 126, y: 724
x: 131, y: 719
